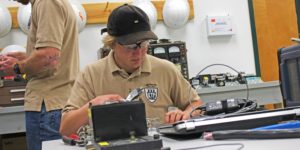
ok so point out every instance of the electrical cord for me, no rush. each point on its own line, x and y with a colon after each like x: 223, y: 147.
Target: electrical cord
x: 245, y: 109
x: 223, y: 115
x: 208, y: 146
x: 248, y: 105
x: 197, y: 76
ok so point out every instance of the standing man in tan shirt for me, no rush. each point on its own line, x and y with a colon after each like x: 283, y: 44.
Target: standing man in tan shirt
x: 51, y: 65
x: 128, y: 66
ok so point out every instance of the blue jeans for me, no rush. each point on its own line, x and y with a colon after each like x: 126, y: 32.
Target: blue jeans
x: 41, y: 126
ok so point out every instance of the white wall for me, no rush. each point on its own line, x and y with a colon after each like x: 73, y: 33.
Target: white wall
x: 235, y: 51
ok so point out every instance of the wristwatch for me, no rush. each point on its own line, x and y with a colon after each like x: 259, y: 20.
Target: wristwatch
x: 17, y: 69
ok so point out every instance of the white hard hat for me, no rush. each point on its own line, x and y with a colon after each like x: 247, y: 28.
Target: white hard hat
x: 149, y: 9
x: 176, y: 13
x: 80, y: 14
x: 23, y: 17
x: 5, y: 21
x: 13, y: 48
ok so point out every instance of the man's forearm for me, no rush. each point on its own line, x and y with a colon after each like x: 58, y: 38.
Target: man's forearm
x: 71, y: 121
x: 40, y: 61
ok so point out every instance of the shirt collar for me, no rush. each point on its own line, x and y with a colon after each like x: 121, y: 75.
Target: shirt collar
x: 111, y: 62
x: 32, y: 2
x: 145, y: 67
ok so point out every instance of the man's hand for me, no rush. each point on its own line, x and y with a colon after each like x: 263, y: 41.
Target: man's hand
x: 18, y: 55
x: 100, y: 100
x: 176, y: 115
x: 7, y: 64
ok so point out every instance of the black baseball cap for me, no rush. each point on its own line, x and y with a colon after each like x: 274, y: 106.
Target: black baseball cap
x: 129, y: 24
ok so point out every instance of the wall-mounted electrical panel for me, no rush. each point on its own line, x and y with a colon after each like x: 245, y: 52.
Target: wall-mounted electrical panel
x: 218, y: 25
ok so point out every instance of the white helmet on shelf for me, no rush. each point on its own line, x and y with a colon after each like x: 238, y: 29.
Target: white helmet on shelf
x: 13, y: 48
x: 80, y: 14
x: 149, y: 9
x: 176, y: 13
x: 5, y: 21
x: 23, y: 17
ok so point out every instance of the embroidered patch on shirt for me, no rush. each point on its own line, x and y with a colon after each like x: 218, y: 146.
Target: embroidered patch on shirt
x: 151, y: 93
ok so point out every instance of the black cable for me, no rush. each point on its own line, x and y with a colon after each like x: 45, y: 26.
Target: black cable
x: 208, y: 146
x: 248, y: 108
x: 202, y: 109
x: 198, y: 74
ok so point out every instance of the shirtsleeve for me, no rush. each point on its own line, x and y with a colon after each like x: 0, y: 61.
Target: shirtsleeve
x: 182, y: 93
x: 50, y: 31
x: 82, y: 91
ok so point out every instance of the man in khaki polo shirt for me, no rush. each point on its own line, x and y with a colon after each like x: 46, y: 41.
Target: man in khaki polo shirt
x: 127, y: 67
x: 51, y: 65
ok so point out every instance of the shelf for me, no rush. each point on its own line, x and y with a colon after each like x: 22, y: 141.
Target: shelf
x: 97, y: 13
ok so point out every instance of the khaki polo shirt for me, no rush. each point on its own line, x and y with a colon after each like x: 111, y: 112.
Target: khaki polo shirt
x: 53, y: 24
x: 165, y: 85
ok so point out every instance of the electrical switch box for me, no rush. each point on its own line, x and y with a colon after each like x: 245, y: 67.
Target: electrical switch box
x: 218, y: 25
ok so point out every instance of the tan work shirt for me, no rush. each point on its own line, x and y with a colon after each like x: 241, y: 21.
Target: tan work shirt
x: 165, y: 85
x: 53, y: 24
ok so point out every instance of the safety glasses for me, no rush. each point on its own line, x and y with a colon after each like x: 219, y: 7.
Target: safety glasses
x: 142, y: 44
